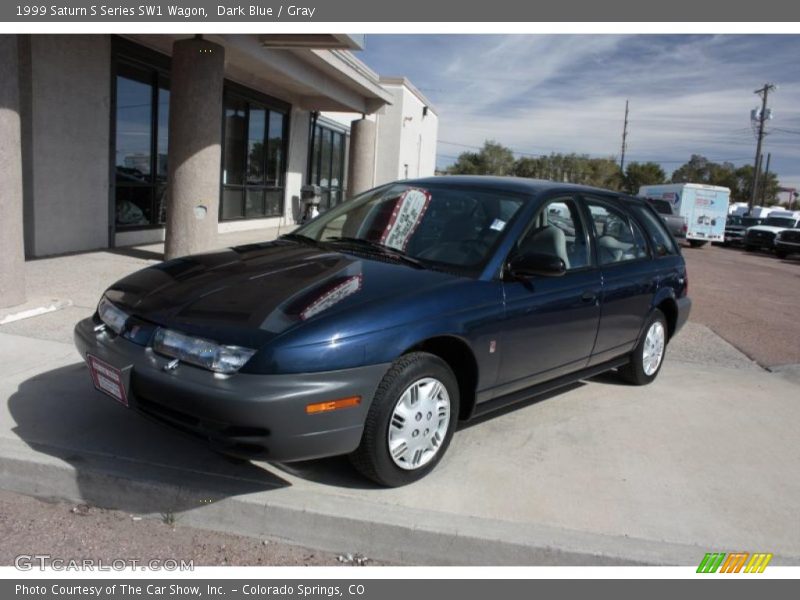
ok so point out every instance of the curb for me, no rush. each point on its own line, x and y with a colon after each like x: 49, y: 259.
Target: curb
x: 326, y: 522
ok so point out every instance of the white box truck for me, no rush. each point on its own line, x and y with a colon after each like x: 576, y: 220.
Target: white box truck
x: 705, y: 208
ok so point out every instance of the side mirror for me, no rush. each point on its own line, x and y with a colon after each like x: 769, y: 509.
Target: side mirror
x: 534, y: 263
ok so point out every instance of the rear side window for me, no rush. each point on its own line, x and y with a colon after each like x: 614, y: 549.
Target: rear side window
x: 662, y: 240
x: 618, y: 238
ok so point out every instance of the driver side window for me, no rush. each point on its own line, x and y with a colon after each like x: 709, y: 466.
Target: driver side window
x: 557, y: 230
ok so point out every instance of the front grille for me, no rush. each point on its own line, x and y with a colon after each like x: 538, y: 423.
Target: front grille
x: 761, y: 236
x: 791, y: 236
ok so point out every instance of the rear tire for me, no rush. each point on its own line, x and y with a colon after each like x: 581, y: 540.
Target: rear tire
x: 781, y: 253
x: 648, y: 356
x: 750, y: 248
x: 697, y: 243
x: 411, y: 421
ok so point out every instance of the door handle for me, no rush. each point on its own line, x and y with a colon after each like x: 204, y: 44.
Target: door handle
x: 588, y: 296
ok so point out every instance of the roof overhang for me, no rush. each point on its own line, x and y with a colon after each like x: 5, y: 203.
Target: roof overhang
x: 308, y: 77
x: 321, y: 41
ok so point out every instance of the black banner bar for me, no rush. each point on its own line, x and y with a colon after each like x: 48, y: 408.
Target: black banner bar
x: 306, y: 11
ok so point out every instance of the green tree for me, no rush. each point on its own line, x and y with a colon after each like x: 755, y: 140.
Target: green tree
x: 694, y: 171
x: 492, y: 159
x: 639, y: 174
x: 768, y: 196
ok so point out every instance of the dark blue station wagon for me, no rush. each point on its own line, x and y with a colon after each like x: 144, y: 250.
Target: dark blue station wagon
x: 373, y: 329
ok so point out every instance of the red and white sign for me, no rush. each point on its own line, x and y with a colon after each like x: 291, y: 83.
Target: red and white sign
x: 107, y: 378
x: 406, y: 217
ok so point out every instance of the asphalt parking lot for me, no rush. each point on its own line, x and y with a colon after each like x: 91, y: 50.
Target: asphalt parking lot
x: 599, y: 473
x: 751, y: 299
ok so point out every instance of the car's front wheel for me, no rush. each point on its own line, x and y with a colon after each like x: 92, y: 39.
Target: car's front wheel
x: 410, y: 422
x: 648, y: 356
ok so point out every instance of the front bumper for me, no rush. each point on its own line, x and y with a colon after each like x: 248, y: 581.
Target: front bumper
x: 734, y: 237
x: 784, y: 246
x: 245, y: 415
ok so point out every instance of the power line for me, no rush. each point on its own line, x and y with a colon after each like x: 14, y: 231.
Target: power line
x: 534, y: 155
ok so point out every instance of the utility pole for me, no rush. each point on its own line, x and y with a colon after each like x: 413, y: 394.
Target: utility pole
x: 766, y: 179
x: 762, y: 117
x: 624, y: 141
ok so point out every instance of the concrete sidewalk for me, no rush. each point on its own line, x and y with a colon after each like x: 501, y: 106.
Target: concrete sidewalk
x: 703, y: 459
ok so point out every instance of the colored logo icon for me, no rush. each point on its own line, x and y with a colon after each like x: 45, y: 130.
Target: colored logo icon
x: 734, y: 562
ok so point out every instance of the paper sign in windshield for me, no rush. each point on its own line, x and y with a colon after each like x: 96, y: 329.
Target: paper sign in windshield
x: 406, y: 217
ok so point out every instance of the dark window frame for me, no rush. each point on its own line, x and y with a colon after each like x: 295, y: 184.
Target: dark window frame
x: 269, y: 104
x: 136, y: 56
x: 314, y: 176
x: 592, y: 259
x: 674, y: 249
x: 615, y: 203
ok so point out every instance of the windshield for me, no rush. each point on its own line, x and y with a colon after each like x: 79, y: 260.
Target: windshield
x: 734, y: 221
x: 439, y: 225
x: 780, y: 221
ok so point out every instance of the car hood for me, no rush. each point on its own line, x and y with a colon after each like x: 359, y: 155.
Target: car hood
x: 769, y: 228
x: 250, y: 294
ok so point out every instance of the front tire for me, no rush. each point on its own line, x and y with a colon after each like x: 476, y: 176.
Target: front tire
x: 648, y: 356
x: 411, y: 421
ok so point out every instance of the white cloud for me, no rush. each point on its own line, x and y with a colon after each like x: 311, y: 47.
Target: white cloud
x: 539, y: 93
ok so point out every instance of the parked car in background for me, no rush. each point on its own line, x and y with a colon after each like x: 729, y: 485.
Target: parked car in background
x: 787, y: 242
x: 375, y: 328
x: 705, y: 208
x: 763, y: 236
x: 675, y: 223
x: 736, y: 227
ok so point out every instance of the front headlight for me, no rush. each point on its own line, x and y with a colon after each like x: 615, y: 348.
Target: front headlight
x: 113, y: 317
x: 200, y: 351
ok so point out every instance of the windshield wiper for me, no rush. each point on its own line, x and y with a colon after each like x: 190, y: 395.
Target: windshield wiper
x: 380, y: 249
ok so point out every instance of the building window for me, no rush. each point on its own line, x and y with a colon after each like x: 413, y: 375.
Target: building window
x: 327, y: 164
x: 253, y: 157
x: 141, y: 116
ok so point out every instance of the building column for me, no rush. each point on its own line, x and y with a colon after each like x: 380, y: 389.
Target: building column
x: 361, y: 162
x: 195, y: 138
x: 12, y: 251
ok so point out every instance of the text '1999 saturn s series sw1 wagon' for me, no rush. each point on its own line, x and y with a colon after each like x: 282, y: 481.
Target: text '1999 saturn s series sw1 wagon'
x: 376, y: 327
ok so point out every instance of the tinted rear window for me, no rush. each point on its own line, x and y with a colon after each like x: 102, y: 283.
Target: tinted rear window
x: 661, y: 239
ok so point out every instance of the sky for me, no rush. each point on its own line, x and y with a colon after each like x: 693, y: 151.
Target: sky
x: 689, y: 94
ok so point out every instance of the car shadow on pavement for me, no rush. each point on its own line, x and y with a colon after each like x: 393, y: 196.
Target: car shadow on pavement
x: 121, y: 460
x: 335, y: 471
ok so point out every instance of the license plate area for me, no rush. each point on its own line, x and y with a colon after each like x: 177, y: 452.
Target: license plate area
x: 107, y: 379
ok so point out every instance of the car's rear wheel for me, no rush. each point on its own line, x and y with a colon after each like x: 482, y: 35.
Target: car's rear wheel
x: 781, y: 253
x: 410, y: 422
x: 648, y: 356
x: 697, y: 243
